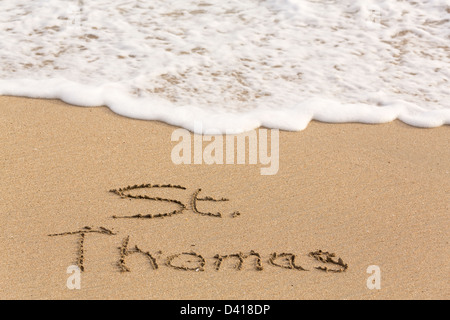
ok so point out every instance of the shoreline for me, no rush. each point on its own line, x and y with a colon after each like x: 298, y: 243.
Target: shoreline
x: 371, y: 194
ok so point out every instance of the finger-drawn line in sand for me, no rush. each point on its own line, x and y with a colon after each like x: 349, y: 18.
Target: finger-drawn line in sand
x: 201, y: 262
x: 288, y: 260
x: 192, y: 261
x: 121, y: 192
x: 241, y: 257
x: 235, y: 214
x: 125, y: 252
x: 194, y: 204
x: 82, y: 232
x: 211, y: 199
x: 327, y: 257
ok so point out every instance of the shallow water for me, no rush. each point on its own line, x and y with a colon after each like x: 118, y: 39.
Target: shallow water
x: 234, y: 65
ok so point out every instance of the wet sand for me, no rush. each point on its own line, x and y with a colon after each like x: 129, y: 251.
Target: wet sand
x: 371, y: 194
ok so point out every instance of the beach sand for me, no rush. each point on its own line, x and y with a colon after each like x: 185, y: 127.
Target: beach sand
x: 372, y: 194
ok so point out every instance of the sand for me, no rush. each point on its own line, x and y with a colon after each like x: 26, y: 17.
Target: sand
x: 371, y: 194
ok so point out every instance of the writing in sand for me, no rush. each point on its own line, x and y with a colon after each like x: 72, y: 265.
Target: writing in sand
x: 190, y: 260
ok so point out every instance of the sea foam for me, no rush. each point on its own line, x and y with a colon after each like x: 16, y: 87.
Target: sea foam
x: 234, y: 65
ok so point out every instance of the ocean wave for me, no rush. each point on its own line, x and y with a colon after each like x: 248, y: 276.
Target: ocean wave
x: 234, y: 65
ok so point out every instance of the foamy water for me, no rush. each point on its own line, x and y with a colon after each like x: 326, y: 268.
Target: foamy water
x: 234, y: 65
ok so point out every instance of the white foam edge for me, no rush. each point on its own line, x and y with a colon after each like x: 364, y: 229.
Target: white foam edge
x: 290, y: 118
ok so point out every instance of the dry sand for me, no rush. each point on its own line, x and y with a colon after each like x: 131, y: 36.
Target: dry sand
x: 372, y: 194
